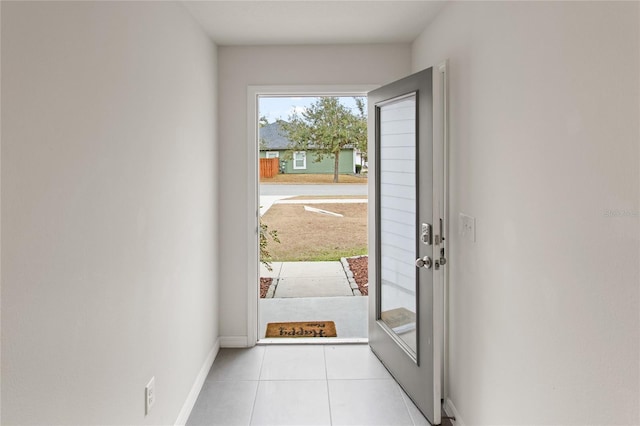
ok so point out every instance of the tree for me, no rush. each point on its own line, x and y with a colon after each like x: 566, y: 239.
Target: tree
x: 262, y: 121
x: 325, y: 128
x: 361, y: 140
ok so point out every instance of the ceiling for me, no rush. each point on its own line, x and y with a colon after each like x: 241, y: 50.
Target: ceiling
x: 268, y: 22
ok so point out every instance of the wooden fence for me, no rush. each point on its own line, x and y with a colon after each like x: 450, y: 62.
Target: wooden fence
x: 269, y: 167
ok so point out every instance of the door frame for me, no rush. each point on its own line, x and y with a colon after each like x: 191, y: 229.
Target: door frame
x: 441, y: 82
x: 253, y: 202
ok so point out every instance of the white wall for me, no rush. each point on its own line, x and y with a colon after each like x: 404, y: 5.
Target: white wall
x: 544, y: 141
x: 238, y: 68
x: 108, y: 210
x: 0, y: 212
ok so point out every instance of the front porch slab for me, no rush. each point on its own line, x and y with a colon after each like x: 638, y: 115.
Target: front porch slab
x: 348, y: 312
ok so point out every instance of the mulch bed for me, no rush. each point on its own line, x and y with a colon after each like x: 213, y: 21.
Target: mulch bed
x: 264, y: 286
x: 360, y: 268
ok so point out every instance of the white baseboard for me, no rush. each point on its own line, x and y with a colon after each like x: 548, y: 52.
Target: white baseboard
x: 453, y: 411
x: 234, y: 342
x: 197, y: 385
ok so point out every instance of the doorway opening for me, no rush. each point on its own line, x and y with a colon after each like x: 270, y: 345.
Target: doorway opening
x: 312, y: 192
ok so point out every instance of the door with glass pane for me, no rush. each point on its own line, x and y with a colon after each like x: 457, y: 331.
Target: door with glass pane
x: 405, y: 326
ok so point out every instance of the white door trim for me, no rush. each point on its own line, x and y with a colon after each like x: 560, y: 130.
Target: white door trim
x: 441, y: 109
x: 253, y: 92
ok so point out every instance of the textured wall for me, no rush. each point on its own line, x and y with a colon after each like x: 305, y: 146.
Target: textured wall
x: 108, y: 210
x: 544, y: 103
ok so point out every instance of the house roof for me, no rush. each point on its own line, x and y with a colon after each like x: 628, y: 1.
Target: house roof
x: 272, y: 137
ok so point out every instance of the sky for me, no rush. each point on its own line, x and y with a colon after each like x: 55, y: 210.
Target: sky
x: 274, y: 108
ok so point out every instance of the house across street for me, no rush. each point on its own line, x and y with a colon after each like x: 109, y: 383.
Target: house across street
x: 274, y: 144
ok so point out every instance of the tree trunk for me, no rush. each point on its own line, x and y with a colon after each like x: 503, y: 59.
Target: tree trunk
x: 336, y: 166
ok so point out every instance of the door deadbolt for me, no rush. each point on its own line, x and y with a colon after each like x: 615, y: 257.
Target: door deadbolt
x: 424, y: 262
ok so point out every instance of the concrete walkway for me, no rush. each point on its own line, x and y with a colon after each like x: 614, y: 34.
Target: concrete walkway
x: 266, y: 201
x: 307, y: 279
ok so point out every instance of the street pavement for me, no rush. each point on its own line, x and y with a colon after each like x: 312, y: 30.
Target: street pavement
x: 271, y: 189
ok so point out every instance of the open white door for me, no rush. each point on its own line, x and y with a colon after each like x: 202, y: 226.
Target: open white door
x: 407, y: 251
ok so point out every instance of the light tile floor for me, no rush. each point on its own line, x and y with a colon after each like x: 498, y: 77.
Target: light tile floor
x: 302, y: 385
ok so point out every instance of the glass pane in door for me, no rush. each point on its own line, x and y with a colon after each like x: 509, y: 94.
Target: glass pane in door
x: 397, y: 162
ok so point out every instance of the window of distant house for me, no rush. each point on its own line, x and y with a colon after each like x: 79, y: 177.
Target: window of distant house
x: 299, y: 160
x: 273, y: 154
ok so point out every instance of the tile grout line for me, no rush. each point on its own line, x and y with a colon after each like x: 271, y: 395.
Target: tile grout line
x: 255, y: 398
x: 406, y: 403
x: 326, y: 382
x: 305, y: 380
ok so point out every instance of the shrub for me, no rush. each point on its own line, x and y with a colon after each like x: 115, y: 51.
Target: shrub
x: 265, y: 256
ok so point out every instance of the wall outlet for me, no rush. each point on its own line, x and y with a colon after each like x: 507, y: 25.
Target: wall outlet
x: 467, y: 227
x: 149, y: 395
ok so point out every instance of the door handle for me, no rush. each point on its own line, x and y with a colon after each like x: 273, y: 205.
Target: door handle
x: 424, y: 262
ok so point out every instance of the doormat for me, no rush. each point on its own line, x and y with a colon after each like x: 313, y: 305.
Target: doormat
x: 400, y: 320
x: 301, y: 329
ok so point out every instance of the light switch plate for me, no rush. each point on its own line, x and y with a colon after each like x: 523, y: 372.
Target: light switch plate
x: 467, y: 227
